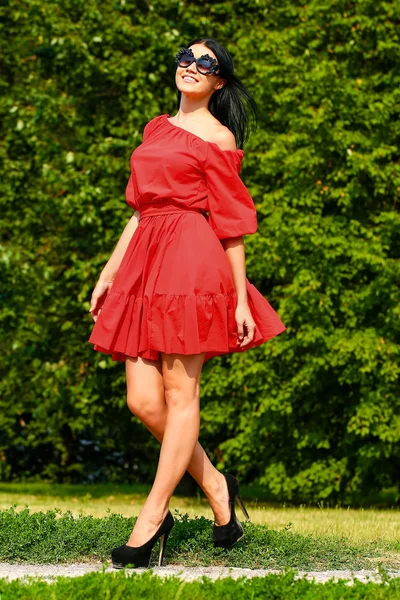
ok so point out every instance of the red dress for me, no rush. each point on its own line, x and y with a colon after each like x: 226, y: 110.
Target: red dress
x: 174, y: 289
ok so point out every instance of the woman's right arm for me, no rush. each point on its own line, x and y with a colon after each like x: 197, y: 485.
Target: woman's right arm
x: 109, y: 272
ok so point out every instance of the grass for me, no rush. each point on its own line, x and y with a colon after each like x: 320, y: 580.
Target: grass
x: 149, y: 586
x: 53, y: 537
x: 359, y: 526
x: 67, y: 523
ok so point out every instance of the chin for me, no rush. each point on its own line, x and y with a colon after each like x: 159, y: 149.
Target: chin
x: 185, y: 89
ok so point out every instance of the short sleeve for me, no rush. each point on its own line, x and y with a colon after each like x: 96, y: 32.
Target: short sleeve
x: 130, y: 190
x: 130, y: 193
x: 231, y: 208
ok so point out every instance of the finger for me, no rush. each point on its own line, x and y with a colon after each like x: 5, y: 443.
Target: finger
x: 239, y: 329
x: 93, y: 303
x: 251, y: 332
x: 249, y: 336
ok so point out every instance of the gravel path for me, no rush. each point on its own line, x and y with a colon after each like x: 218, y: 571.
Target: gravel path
x: 48, y: 572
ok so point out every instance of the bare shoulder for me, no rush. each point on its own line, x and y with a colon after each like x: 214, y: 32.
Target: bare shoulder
x: 223, y: 137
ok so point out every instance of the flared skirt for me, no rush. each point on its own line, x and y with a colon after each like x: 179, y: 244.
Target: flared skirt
x: 174, y: 293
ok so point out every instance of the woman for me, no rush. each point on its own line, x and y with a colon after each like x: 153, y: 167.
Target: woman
x: 174, y: 292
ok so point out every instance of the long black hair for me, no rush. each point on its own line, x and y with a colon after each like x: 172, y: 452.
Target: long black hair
x: 233, y: 104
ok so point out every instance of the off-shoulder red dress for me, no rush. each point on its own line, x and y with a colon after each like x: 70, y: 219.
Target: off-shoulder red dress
x: 174, y: 289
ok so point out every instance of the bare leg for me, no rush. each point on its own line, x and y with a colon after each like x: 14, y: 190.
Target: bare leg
x: 181, y: 380
x: 146, y: 400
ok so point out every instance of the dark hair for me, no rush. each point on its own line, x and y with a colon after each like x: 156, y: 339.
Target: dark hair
x: 233, y: 103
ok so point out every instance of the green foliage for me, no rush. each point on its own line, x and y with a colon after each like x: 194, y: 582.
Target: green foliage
x: 54, y: 537
x: 312, y: 414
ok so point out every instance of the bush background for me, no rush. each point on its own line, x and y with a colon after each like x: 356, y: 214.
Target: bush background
x: 312, y: 414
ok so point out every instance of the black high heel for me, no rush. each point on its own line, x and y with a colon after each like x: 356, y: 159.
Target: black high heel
x: 227, y: 535
x: 140, y: 556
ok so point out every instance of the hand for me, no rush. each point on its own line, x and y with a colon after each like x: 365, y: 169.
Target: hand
x: 245, y: 324
x: 99, y: 294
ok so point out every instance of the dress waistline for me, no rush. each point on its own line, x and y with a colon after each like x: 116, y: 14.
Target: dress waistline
x: 161, y: 208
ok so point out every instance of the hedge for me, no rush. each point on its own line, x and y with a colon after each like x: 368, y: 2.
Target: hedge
x: 312, y: 414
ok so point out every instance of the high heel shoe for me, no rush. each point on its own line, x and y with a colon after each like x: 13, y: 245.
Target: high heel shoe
x: 140, y: 556
x: 227, y: 535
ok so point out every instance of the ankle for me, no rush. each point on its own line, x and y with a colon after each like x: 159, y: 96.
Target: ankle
x: 155, y: 514
x: 215, y: 486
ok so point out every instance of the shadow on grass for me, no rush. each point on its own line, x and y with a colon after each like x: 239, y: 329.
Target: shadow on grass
x: 65, y: 490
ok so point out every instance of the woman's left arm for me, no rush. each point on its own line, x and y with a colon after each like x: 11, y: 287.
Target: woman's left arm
x: 235, y: 251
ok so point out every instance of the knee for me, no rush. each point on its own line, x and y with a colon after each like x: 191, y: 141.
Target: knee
x: 178, y: 397
x: 181, y: 377
x: 145, y: 407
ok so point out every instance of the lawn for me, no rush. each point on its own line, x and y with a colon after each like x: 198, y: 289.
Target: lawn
x: 357, y: 525
x: 302, y: 537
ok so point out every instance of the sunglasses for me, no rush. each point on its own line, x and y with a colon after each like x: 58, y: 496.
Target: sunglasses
x: 205, y: 65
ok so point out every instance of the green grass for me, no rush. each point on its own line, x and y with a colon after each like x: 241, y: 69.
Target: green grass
x: 358, y: 526
x: 148, y: 586
x: 54, y: 537
x: 63, y: 523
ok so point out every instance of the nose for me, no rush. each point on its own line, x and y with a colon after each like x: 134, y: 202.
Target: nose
x: 191, y: 68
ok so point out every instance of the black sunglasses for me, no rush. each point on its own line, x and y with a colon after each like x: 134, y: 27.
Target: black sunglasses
x: 205, y: 65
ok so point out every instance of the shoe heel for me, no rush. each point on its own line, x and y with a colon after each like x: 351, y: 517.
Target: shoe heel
x: 163, y: 543
x: 242, y: 506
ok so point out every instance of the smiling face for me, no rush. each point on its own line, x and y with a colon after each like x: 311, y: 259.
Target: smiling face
x: 192, y: 83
